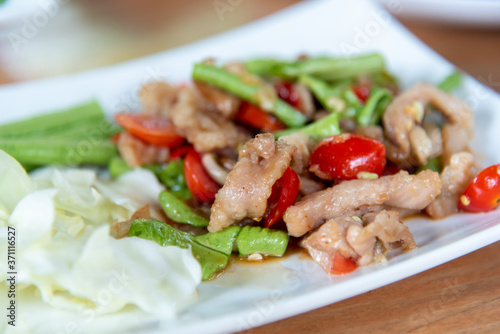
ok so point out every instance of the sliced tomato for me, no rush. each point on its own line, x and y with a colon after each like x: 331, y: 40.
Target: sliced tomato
x: 257, y: 118
x: 283, y: 195
x: 151, y: 129
x: 287, y: 93
x: 483, y: 193
x: 344, y: 156
x: 201, y: 185
x: 179, y: 152
x: 342, y: 265
x: 362, y: 92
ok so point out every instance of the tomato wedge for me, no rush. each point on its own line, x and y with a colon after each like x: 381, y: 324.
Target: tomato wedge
x: 344, y: 156
x: 342, y: 265
x: 362, y: 92
x: 151, y: 129
x: 286, y: 92
x: 179, y: 152
x: 283, y: 195
x: 483, y: 193
x: 201, y: 185
x: 257, y: 118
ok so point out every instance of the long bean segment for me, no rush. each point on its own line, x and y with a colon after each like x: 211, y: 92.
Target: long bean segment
x: 89, y: 114
x: 374, y: 107
x: 331, y: 68
x: 325, y: 127
x: 179, y: 211
x: 47, y: 151
x: 234, y: 84
x: 328, y: 96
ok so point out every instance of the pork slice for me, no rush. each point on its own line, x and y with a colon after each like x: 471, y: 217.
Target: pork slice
x: 330, y: 239
x: 373, y: 131
x: 364, y: 240
x: 383, y: 226
x: 136, y: 153
x: 206, y: 130
x: 226, y: 104
x: 399, y: 190
x: 456, y: 176
x: 158, y: 98
x: 261, y: 163
x: 401, y: 117
x: 300, y: 158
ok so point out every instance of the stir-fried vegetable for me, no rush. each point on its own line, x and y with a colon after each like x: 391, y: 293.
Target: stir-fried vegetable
x: 483, y: 193
x: 151, y: 129
x: 201, y: 185
x: 347, y: 157
x: 179, y: 212
x: 257, y: 118
x: 284, y: 194
x: 234, y: 84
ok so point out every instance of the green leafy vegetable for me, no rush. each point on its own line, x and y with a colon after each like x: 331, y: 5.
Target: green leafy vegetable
x: 451, y: 82
x: 172, y: 176
x: 222, y: 241
x: 211, y: 261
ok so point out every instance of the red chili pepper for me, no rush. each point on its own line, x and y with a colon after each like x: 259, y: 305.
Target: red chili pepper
x: 342, y: 265
x: 257, y: 118
x: 283, y: 195
x: 344, y: 156
x: 483, y: 193
x: 201, y: 185
x: 151, y: 129
x: 362, y: 92
x: 286, y: 92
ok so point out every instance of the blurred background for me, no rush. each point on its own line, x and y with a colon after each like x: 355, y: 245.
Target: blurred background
x: 44, y: 38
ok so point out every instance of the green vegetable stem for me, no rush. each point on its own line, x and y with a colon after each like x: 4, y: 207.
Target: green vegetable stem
x: 325, y: 127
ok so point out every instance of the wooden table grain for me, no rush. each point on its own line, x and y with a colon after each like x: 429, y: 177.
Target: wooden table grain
x: 461, y: 296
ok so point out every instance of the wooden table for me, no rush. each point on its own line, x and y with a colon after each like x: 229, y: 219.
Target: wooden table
x: 462, y: 296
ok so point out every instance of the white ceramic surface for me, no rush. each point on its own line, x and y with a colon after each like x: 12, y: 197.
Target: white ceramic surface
x: 473, y: 13
x: 248, y: 296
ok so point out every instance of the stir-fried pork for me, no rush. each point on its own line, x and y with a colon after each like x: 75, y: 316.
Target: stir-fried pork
x: 403, y: 114
x: 374, y: 131
x: 225, y: 103
x: 137, y: 153
x: 300, y: 158
x: 456, y: 177
x: 158, y: 98
x: 363, y: 240
x: 204, y: 129
x: 261, y: 163
x: 400, y: 190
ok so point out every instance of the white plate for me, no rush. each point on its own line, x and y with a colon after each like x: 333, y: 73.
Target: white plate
x: 476, y: 13
x: 249, y: 296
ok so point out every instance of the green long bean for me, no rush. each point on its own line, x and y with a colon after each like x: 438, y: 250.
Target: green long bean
x: 234, y: 84
x: 374, y: 107
x: 47, y: 151
x: 49, y: 124
x: 325, y: 127
x: 178, y: 211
